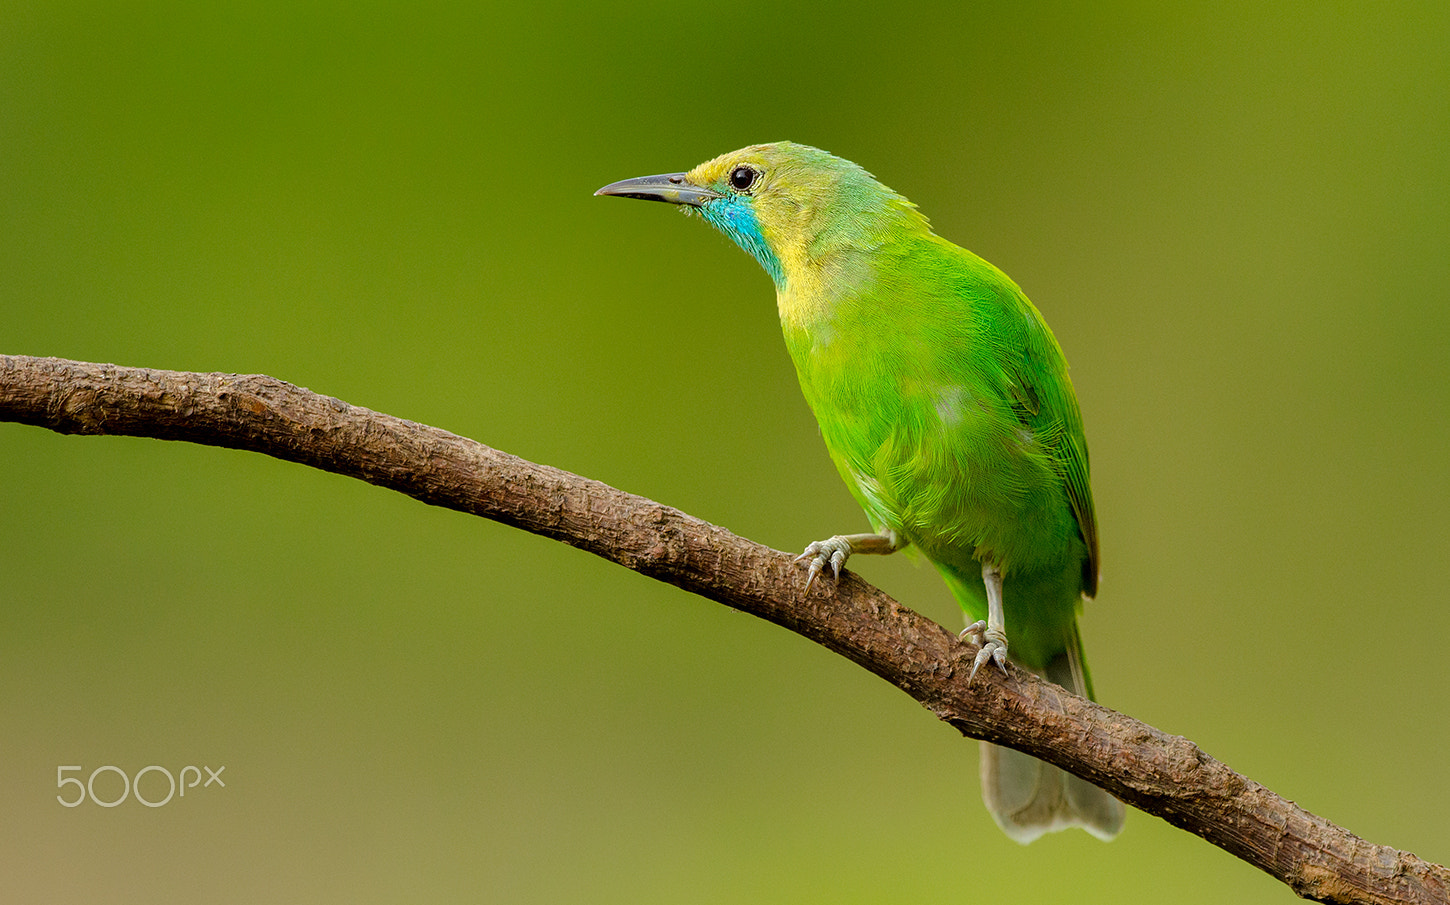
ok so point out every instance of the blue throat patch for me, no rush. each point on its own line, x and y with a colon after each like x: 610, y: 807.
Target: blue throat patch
x: 735, y: 217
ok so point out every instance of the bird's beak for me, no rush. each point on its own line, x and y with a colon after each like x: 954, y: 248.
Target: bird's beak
x: 672, y: 188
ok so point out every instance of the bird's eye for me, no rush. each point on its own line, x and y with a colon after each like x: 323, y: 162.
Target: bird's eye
x: 742, y: 178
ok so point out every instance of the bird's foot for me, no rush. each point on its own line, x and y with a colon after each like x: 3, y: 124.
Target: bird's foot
x: 833, y: 552
x: 993, y: 642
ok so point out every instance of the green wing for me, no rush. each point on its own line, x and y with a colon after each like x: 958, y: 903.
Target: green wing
x: 1043, y: 396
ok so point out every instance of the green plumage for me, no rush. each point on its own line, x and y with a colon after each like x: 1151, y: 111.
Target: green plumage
x: 945, y: 403
x: 950, y: 436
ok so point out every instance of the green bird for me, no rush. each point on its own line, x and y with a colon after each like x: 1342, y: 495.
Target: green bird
x: 945, y: 404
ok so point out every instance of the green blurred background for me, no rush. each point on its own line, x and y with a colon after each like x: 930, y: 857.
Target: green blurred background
x: 1234, y: 216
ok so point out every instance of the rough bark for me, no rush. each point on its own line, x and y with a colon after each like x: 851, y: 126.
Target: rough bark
x: 1161, y: 774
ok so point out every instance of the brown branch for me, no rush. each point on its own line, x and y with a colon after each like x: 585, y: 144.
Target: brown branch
x: 1162, y: 774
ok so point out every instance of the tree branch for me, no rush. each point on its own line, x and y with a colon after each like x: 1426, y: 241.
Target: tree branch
x: 1161, y: 774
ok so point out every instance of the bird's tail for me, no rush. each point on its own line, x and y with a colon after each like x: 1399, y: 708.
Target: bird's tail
x: 1028, y: 797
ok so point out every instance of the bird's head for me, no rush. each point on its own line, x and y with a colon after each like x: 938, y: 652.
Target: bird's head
x: 795, y: 208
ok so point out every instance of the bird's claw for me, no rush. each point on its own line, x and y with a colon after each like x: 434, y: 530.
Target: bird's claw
x: 832, y: 552
x: 993, y: 643
x: 976, y: 632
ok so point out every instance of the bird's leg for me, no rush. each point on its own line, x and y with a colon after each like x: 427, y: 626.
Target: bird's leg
x: 833, y: 551
x: 992, y: 634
